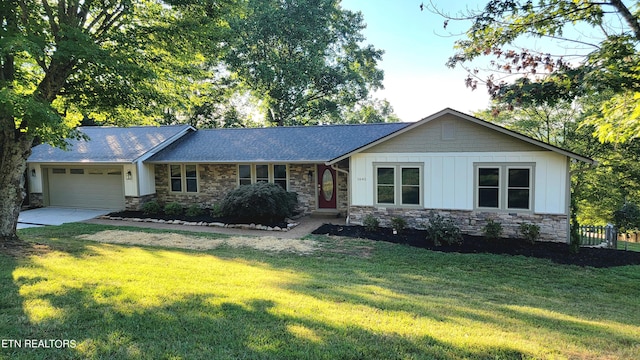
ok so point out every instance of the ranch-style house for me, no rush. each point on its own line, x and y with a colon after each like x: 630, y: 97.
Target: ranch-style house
x: 448, y: 163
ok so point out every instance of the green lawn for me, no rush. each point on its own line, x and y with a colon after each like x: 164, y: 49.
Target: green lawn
x: 630, y: 246
x: 352, y: 299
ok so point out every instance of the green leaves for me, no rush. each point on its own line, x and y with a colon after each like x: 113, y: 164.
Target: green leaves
x: 120, y: 61
x: 302, y: 59
x: 592, y: 48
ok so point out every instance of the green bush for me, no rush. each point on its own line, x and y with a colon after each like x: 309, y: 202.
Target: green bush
x: 441, y: 230
x: 530, y: 232
x: 173, y: 209
x: 370, y: 223
x: 398, y: 223
x: 493, y: 230
x: 259, y: 202
x: 151, y: 208
x: 194, y: 210
x: 627, y: 218
x: 216, y: 211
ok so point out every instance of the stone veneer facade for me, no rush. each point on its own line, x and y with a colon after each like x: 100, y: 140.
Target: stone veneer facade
x: 553, y: 227
x: 36, y: 200
x: 136, y: 202
x: 216, y: 180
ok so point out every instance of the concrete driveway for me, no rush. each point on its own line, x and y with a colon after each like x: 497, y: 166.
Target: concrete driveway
x: 56, y: 216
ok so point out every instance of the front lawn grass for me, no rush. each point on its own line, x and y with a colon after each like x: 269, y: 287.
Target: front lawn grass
x: 352, y: 299
x: 630, y: 246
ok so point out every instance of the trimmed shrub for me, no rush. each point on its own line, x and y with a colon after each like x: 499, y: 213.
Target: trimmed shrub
x: 173, y: 209
x: 398, y: 223
x: 441, y: 230
x: 530, y: 232
x: 216, y: 211
x: 151, y: 208
x: 627, y: 218
x: 493, y: 230
x: 370, y: 223
x: 259, y: 202
x: 193, y: 211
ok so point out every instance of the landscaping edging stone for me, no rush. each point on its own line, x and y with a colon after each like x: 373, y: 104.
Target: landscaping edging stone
x: 203, y: 223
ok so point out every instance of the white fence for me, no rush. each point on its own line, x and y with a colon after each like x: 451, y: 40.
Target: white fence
x: 604, y: 236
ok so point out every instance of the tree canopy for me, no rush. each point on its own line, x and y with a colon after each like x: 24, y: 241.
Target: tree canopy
x: 119, y: 61
x: 593, y: 48
x: 302, y: 59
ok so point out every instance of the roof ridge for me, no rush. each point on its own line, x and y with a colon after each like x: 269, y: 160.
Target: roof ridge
x: 304, y: 126
x: 129, y: 127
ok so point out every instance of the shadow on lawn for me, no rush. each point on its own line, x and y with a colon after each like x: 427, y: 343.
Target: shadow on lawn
x: 104, y: 324
x: 422, y: 284
x: 224, y: 331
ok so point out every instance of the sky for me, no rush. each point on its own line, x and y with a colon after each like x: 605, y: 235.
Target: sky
x: 417, y: 82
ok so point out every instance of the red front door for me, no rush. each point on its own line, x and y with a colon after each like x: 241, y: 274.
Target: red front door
x: 326, y: 187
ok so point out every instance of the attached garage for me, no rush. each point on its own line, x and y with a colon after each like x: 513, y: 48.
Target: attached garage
x: 95, y: 187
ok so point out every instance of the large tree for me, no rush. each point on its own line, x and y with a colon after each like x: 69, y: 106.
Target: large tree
x: 599, y: 43
x: 302, y: 58
x: 598, y: 192
x: 119, y: 61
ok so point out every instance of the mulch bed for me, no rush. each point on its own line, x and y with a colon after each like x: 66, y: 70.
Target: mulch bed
x: 556, y: 252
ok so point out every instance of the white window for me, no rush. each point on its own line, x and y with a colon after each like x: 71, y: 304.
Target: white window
x: 244, y: 174
x: 265, y: 173
x: 183, y: 178
x: 504, y: 186
x: 398, y: 185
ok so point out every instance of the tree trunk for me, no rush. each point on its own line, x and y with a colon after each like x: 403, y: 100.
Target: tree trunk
x: 15, y: 148
x: 632, y: 20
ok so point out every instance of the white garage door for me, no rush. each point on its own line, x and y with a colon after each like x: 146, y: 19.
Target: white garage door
x: 88, y: 187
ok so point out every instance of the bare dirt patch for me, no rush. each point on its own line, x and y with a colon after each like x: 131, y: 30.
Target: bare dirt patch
x: 18, y: 248
x: 267, y: 243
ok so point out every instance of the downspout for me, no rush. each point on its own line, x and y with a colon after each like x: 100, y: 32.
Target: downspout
x: 139, y: 170
x: 346, y: 172
x: 568, y: 200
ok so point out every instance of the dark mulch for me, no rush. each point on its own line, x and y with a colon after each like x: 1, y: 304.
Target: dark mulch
x: 556, y: 252
x: 206, y: 217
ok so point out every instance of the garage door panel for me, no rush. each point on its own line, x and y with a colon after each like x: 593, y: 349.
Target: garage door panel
x: 88, y: 187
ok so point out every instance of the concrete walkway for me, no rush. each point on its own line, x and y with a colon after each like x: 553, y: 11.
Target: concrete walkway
x: 306, y: 226
x: 56, y: 216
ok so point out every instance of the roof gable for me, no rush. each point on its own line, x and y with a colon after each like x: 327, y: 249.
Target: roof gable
x: 274, y: 144
x: 478, y: 135
x: 111, y: 144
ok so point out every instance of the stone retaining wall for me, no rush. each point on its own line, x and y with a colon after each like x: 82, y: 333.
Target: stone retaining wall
x: 203, y: 223
x: 553, y: 227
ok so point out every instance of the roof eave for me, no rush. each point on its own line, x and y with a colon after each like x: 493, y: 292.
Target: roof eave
x: 244, y: 161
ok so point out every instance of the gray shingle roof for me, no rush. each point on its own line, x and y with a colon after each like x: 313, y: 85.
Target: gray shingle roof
x: 274, y: 144
x: 109, y: 144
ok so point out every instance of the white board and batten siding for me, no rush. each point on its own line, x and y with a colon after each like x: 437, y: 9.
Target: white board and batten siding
x: 449, y: 178
x: 448, y: 148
